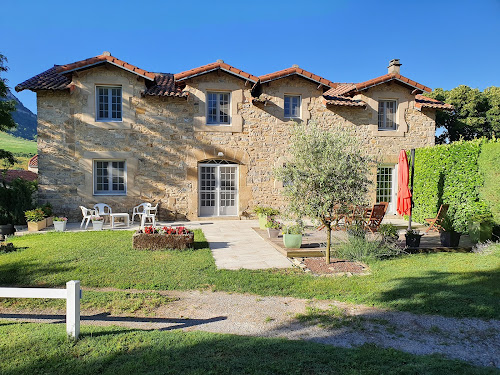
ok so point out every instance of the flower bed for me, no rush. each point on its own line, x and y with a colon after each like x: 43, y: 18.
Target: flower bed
x: 152, y: 238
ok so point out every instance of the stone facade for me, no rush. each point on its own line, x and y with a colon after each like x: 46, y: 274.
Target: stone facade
x: 163, y: 140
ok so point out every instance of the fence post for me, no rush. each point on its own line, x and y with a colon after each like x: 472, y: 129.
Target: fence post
x: 73, y: 309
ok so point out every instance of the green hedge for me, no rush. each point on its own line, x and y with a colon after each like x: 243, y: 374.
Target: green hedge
x: 489, y: 168
x: 450, y: 174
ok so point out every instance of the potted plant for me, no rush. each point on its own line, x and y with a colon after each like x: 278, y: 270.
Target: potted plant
x: 6, y: 226
x: 292, y: 236
x: 448, y: 236
x: 36, y: 219
x: 413, y: 238
x: 60, y: 224
x: 97, y: 222
x: 480, y: 228
x: 389, y: 233
x: 273, y: 227
x: 264, y: 213
x: 47, y: 211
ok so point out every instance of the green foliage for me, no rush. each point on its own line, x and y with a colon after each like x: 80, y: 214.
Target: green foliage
x: 6, y: 109
x: 16, y: 198
x: 327, y: 168
x: 448, y: 174
x: 297, y: 228
x: 47, y: 209
x: 489, y: 168
x: 34, y: 215
x: 476, y: 115
x: 360, y: 249
x: 273, y: 224
x: 266, y: 211
x: 388, y: 230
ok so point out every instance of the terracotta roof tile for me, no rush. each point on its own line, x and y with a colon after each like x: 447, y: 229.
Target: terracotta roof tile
x: 164, y: 85
x: 33, y: 163
x: 11, y: 175
x: 214, y: 66
x: 425, y: 102
x: 390, y: 77
x: 343, y: 101
x: 48, y: 80
x: 295, y: 70
x: 341, y: 89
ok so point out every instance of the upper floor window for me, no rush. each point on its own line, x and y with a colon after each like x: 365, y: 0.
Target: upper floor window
x: 110, y: 177
x: 218, y: 108
x: 387, y: 114
x: 292, y: 106
x: 109, y: 103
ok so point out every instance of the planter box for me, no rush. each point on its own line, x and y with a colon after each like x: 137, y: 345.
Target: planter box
x: 35, y: 226
x: 59, y: 226
x: 162, y: 241
x: 413, y: 241
x: 449, y: 239
x: 97, y: 225
x: 273, y: 233
x: 292, y: 241
x: 262, y: 221
x: 49, y: 220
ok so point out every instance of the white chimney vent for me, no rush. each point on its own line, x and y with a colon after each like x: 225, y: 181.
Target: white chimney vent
x: 106, y: 53
x: 393, y: 67
x: 220, y: 61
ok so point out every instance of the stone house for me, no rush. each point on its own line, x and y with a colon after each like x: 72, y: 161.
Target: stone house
x: 204, y: 142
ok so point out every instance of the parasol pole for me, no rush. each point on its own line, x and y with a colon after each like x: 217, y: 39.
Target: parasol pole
x: 411, y: 185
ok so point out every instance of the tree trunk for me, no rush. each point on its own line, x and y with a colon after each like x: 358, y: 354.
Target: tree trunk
x: 328, y: 243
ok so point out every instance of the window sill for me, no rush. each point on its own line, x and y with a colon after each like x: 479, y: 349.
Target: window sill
x: 111, y: 194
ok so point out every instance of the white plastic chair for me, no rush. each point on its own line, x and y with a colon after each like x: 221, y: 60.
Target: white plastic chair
x: 139, y: 211
x: 87, y: 215
x: 149, y: 213
x: 102, y: 209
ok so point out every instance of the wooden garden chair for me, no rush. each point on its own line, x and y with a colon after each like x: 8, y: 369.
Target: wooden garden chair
x: 435, y: 223
x: 376, y: 216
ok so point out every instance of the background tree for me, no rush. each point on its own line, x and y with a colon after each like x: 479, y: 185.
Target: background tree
x: 477, y: 114
x: 325, y: 169
x: 6, y: 109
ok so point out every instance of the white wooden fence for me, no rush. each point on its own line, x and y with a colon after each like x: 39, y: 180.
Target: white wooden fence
x: 72, y: 294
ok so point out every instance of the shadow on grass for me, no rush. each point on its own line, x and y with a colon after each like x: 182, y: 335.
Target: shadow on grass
x: 105, y: 317
x: 200, y: 245
x: 22, y: 273
x: 116, y: 351
x: 463, y: 294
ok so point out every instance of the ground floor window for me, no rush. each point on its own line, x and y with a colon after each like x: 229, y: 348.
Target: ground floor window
x: 110, y: 177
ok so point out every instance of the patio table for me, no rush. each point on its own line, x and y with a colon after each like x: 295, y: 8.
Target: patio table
x: 123, y: 215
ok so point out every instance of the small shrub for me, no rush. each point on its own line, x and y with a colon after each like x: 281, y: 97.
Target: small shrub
x: 34, y: 215
x: 47, y: 209
x: 294, y: 229
x: 266, y: 211
x: 273, y: 224
x: 356, y: 230
x: 360, y: 249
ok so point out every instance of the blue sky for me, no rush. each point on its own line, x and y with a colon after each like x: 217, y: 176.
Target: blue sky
x: 440, y: 43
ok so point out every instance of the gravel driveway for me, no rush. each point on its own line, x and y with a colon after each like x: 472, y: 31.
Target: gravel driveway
x: 473, y: 340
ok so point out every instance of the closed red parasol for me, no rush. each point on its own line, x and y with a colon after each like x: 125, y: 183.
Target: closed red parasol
x: 404, y: 194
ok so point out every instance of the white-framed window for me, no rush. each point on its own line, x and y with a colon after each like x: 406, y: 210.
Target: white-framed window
x: 387, y: 114
x: 110, y: 177
x: 218, y: 107
x: 384, y: 184
x: 108, y: 103
x: 292, y: 106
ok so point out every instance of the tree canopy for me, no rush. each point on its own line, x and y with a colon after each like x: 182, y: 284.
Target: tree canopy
x: 476, y: 115
x: 325, y: 169
x: 6, y: 109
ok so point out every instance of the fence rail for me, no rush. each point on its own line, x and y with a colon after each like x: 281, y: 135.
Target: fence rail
x: 72, y: 294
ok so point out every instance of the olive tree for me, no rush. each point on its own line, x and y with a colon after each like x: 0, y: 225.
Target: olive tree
x: 326, y: 168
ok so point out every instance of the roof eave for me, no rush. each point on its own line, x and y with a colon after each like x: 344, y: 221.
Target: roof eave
x: 108, y: 62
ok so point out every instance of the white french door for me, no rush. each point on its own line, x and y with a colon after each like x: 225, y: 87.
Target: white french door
x: 387, y: 186
x: 218, y: 188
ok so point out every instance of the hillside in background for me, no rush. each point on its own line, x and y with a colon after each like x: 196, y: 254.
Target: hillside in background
x: 22, y: 149
x: 25, y: 119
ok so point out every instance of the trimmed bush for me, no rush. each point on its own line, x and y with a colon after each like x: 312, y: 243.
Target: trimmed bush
x: 489, y: 168
x: 451, y: 174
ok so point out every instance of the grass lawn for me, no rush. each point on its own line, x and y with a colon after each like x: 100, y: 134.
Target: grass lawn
x: 44, y: 349
x: 17, y: 145
x: 449, y: 284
